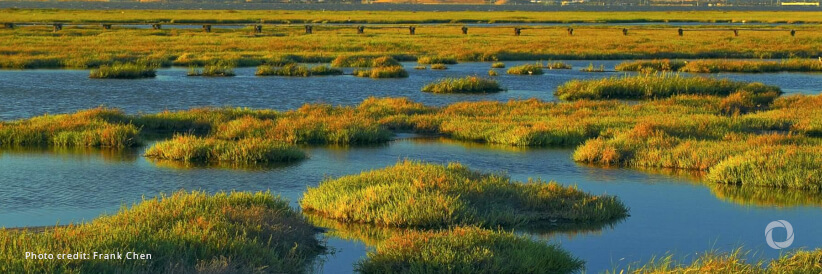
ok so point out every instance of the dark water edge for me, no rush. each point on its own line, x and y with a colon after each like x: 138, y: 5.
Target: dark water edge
x: 374, y: 7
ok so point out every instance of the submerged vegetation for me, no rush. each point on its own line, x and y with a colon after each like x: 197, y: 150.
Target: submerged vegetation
x: 469, y: 84
x: 662, y: 85
x: 466, y: 250
x: 183, y: 232
x: 438, y: 66
x: 123, y: 71
x: 415, y: 194
x: 592, y: 68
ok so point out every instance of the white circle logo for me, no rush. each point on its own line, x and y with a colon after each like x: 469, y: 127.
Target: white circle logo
x: 769, y: 234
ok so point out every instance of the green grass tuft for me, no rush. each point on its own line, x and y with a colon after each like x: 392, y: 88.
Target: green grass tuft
x: 467, y: 250
x: 468, y: 84
x: 659, y: 85
x: 415, y: 194
x: 430, y: 60
x: 123, y: 71
x: 383, y: 72
x: 204, y: 150
x: 213, y: 70
x: 527, y: 69
x: 183, y: 232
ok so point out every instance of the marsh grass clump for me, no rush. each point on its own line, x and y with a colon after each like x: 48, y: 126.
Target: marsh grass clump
x: 325, y: 71
x: 420, y: 67
x: 592, y: 68
x: 295, y: 70
x: 415, y: 194
x: 557, y: 65
x: 469, y: 84
x: 492, y: 72
x: 657, y: 85
x: 751, y: 66
x: 123, y: 71
x: 184, y: 232
x: 498, y: 65
x: 431, y: 60
x: 100, y: 127
x: 527, y: 69
x: 466, y: 250
x: 796, y: 167
x: 382, y: 72
x: 651, y: 65
x: 364, y: 62
x: 213, y: 70
x: 287, y: 70
x: 736, y: 261
x: 438, y: 66
x: 203, y: 150
x: 722, y: 65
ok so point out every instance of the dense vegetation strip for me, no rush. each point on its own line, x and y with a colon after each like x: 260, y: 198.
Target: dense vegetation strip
x: 466, y: 250
x: 247, y: 150
x: 695, y: 132
x: 123, y: 71
x: 183, y: 232
x: 723, y: 65
x: 415, y: 194
x: 662, y: 85
x: 733, y: 262
x: 74, y: 47
x: 469, y: 84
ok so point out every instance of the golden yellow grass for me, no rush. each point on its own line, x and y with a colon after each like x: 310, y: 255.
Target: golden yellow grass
x: 37, y: 47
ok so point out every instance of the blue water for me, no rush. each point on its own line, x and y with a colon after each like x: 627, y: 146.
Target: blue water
x: 35, y: 92
x: 669, y: 213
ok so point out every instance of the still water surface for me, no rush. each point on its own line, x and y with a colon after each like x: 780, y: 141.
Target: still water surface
x: 669, y: 213
x: 35, y: 92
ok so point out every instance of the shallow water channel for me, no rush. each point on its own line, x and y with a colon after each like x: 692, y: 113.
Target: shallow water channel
x: 669, y: 212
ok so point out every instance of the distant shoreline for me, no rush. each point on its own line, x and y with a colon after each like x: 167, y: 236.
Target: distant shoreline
x: 371, y: 7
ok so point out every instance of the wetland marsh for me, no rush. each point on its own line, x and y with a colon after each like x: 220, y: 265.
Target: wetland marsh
x: 388, y: 152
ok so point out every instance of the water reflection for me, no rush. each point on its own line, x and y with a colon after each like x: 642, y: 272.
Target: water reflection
x: 766, y: 196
